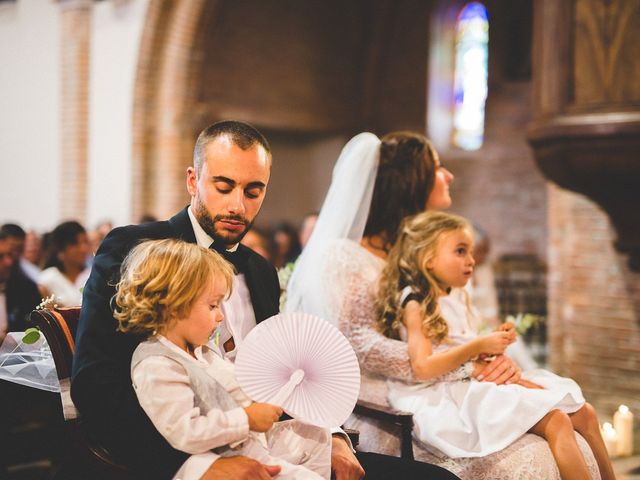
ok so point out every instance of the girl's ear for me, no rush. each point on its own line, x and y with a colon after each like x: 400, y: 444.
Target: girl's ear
x: 428, y: 261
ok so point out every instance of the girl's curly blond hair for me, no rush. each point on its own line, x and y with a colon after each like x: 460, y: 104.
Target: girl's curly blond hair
x: 159, y: 282
x: 416, y: 244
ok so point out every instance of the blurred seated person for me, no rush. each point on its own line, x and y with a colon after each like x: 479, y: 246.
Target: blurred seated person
x: 18, y: 240
x: 258, y: 241
x: 66, y: 270
x: 16, y: 236
x: 32, y: 255
x: 306, y: 229
x: 97, y: 235
x: 484, y: 297
x: 18, y: 294
x: 287, y: 245
x: 482, y: 288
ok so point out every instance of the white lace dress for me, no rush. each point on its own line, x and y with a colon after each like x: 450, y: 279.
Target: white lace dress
x: 353, y: 271
x: 468, y: 418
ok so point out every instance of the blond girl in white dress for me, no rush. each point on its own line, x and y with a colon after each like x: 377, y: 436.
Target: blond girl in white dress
x: 421, y: 301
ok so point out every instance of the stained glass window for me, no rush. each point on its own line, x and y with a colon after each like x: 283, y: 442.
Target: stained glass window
x: 470, y: 87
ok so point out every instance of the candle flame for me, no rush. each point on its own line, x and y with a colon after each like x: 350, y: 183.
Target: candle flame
x: 623, y: 409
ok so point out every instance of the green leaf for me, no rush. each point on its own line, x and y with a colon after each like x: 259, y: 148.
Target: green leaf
x: 31, y: 336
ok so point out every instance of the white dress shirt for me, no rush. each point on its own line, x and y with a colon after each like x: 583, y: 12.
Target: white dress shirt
x: 239, y: 317
x: 164, y: 391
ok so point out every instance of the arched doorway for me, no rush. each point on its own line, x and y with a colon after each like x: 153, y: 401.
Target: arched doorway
x: 309, y: 75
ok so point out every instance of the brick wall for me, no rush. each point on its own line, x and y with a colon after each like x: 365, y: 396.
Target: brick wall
x: 594, y: 304
x: 499, y: 186
x: 75, y: 32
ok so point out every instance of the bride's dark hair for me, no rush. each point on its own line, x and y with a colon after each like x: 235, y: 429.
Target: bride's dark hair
x: 405, y: 177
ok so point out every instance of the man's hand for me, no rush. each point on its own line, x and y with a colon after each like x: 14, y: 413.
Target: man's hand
x: 240, y: 468
x: 344, y: 463
x: 501, y: 371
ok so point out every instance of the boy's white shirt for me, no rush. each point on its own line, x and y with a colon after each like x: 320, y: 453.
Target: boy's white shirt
x: 240, y: 319
x: 161, y: 378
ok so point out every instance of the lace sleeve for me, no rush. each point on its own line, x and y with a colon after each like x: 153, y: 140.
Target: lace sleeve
x: 377, y: 353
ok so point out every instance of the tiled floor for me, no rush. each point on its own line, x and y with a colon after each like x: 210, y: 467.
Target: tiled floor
x: 627, y: 468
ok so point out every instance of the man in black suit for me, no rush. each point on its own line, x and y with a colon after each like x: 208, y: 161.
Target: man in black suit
x: 18, y: 293
x: 227, y: 184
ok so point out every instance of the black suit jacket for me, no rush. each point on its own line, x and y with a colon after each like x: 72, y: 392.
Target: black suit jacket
x: 22, y: 296
x: 101, y: 383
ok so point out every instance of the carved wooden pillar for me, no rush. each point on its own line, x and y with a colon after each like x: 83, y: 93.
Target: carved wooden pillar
x: 586, y: 127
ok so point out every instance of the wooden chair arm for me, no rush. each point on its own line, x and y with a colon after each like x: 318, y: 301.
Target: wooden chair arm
x: 386, y: 414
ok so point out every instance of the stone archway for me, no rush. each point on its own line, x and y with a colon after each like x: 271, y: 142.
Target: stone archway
x: 309, y: 75
x: 162, y: 140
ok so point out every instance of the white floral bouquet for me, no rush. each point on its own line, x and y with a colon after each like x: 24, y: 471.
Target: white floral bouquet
x: 284, y: 274
x: 524, y: 321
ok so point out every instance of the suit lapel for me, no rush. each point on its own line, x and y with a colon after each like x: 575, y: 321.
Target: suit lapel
x: 181, y: 225
x: 256, y: 283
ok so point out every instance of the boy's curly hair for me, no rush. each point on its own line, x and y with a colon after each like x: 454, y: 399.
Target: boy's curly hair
x: 159, y: 282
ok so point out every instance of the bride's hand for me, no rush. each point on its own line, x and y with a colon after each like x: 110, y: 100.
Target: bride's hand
x: 501, y: 371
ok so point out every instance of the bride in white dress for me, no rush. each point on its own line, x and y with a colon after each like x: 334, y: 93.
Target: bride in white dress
x: 421, y: 301
x: 374, y: 186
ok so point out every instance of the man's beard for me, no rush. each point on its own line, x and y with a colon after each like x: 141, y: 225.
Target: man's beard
x: 208, y: 224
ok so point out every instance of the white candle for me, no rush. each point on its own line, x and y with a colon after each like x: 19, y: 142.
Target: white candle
x: 610, y: 437
x: 623, y: 424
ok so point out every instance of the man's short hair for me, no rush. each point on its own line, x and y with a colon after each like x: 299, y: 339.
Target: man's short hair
x: 13, y: 230
x: 241, y: 134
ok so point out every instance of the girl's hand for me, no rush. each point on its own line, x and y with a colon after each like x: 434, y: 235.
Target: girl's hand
x: 507, y: 327
x: 262, y: 416
x: 495, y: 343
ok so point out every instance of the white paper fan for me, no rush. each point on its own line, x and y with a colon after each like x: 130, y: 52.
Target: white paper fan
x: 302, y: 363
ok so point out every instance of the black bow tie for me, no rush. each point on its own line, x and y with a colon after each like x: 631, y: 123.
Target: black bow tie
x: 237, y: 258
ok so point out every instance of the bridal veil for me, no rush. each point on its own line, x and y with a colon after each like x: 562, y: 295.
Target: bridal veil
x: 343, y: 215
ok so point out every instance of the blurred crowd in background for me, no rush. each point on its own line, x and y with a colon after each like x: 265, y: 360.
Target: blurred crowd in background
x: 58, y: 262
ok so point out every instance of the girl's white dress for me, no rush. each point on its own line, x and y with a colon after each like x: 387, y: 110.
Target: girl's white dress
x: 469, y: 418
x: 349, y: 274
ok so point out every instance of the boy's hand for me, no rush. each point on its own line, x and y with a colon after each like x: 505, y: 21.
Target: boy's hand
x: 262, y: 415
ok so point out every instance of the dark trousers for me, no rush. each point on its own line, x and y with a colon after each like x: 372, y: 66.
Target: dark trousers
x: 380, y: 467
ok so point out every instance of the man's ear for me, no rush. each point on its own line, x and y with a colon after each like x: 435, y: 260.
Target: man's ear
x: 192, y: 181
